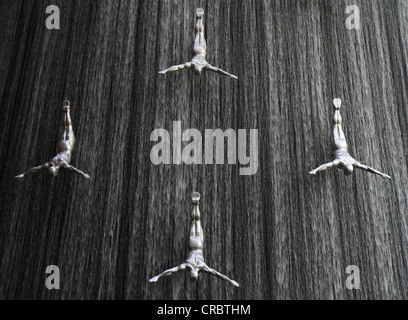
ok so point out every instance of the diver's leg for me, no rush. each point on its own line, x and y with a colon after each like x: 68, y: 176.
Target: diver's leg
x: 339, y: 136
x: 200, y: 38
x: 196, y: 230
x: 196, y: 234
x: 67, y: 132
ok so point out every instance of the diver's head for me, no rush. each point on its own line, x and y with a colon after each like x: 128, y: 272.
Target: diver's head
x: 194, y: 275
x: 348, y: 169
x: 198, y: 69
x: 53, y: 170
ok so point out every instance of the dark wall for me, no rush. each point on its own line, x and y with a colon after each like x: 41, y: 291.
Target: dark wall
x: 282, y: 234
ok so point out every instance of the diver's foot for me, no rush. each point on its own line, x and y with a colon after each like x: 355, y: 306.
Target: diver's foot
x: 200, y: 13
x: 195, y: 197
x: 66, y: 105
x: 337, y: 103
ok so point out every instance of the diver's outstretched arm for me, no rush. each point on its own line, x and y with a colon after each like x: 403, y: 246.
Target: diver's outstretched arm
x: 77, y: 171
x: 322, y: 168
x: 221, y: 276
x: 176, y: 68
x: 220, y: 71
x: 169, y: 272
x: 358, y: 165
x: 33, y: 170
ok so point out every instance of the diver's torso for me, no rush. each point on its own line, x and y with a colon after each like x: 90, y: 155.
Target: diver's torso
x: 199, y: 60
x: 195, y: 257
x: 344, y: 157
x: 62, y: 157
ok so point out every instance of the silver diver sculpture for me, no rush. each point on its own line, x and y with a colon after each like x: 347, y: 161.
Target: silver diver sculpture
x: 199, y: 62
x: 343, y: 159
x: 195, y: 258
x: 64, y: 149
